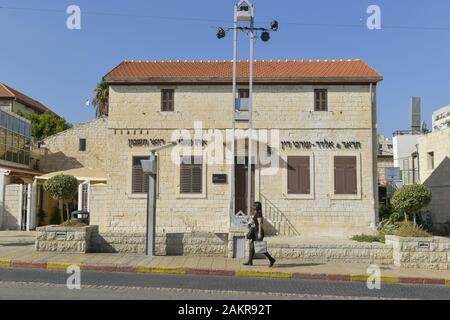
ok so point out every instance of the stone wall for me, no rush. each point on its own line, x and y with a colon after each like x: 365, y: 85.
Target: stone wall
x: 420, y: 253
x: 98, y: 206
x: 119, y: 242
x: 383, y: 163
x: 376, y: 253
x: 65, y: 239
x: 61, y: 151
x: 11, y: 210
x: 192, y: 244
x: 195, y: 244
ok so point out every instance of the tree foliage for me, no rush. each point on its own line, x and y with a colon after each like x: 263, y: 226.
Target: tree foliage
x: 45, y: 125
x: 101, y: 100
x: 62, y: 187
x: 411, y: 199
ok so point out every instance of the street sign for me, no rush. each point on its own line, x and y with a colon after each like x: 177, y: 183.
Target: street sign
x: 392, y: 174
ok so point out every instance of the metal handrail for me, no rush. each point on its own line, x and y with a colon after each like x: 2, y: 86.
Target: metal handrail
x: 269, y: 206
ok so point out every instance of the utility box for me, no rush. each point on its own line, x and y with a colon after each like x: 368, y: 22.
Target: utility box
x: 81, y: 216
x: 244, y: 11
x: 238, y: 247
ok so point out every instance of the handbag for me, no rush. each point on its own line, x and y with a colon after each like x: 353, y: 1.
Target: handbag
x: 260, y: 246
x: 251, y: 234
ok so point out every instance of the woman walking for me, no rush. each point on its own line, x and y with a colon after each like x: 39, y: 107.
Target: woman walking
x: 257, y: 234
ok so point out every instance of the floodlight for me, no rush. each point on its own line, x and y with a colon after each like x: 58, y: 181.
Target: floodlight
x: 274, y: 25
x: 220, y: 33
x: 265, y: 36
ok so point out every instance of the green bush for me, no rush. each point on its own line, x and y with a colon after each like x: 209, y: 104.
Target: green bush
x: 73, y: 223
x: 367, y: 238
x: 62, y: 187
x: 408, y: 229
x: 411, y: 199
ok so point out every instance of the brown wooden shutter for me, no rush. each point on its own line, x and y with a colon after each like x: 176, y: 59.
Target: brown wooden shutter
x: 299, y: 175
x: 345, y: 177
x: 167, y: 99
x: 320, y: 99
x: 139, y: 180
x: 191, y: 175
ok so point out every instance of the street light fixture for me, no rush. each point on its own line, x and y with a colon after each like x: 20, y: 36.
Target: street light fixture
x: 220, y: 33
x: 244, y: 13
x: 150, y: 167
x: 274, y: 25
x: 265, y: 36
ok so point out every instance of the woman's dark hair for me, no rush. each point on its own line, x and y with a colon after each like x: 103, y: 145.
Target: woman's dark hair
x: 258, y: 207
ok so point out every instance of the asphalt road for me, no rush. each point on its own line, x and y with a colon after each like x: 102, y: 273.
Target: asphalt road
x: 26, y: 284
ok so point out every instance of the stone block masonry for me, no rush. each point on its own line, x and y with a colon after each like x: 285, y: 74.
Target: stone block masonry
x: 65, y: 239
x: 420, y: 253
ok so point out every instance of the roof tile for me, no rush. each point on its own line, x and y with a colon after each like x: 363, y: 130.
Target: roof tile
x: 295, y: 69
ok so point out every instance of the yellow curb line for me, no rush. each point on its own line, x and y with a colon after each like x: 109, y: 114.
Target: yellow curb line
x: 357, y: 277
x: 390, y: 279
x: 363, y: 278
x: 5, y: 264
x: 447, y: 282
x: 261, y: 274
x: 59, y: 266
x: 161, y: 270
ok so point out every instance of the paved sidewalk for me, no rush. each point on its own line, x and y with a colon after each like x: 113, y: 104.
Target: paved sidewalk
x: 18, y: 252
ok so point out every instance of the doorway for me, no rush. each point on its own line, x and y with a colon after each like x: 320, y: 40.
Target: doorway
x: 241, y: 182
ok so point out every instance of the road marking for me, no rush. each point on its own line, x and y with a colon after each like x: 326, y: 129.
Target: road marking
x: 199, y: 291
x: 260, y: 274
x: 160, y: 270
x: 5, y: 264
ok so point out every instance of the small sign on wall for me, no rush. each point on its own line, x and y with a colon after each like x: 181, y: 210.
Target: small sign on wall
x: 61, y: 235
x: 424, y: 245
x: 220, y: 178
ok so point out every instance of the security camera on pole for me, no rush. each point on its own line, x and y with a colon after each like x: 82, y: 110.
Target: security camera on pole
x: 244, y: 21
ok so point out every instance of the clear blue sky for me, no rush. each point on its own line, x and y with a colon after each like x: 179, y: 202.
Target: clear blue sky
x: 59, y: 67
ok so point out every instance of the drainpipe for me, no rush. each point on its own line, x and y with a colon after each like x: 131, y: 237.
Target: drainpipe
x: 373, y: 128
x: 3, y: 181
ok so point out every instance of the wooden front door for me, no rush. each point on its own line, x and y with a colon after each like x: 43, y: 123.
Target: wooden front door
x: 241, y: 174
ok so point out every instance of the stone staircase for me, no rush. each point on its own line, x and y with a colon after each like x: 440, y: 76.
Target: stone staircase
x: 280, y: 225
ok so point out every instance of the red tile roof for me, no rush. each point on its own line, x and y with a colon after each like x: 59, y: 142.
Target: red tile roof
x: 276, y: 70
x: 8, y: 92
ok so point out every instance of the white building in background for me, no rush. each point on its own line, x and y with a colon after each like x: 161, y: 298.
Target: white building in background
x: 405, y: 148
x: 441, y: 118
x: 405, y: 144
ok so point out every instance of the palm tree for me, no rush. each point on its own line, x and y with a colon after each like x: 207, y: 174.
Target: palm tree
x: 101, y: 100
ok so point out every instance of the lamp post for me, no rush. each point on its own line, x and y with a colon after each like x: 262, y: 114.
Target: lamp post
x: 244, y: 14
x: 150, y: 167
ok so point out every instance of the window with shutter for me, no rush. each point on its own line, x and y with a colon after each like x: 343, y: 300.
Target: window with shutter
x: 139, y: 180
x: 244, y: 93
x: 345, y: 177
x: 167, y: 100
x: 320, y: 100
x: 191, y: 175
x: 298, y: 175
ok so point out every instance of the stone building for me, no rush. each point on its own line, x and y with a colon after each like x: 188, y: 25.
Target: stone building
x: 385, y: 160
x: 320, y: 119
x: 434, y: 168
x: 17, y: 163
